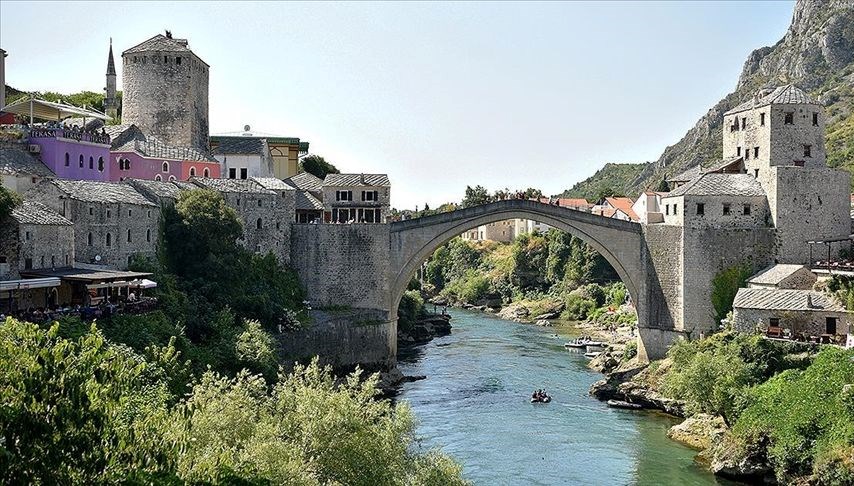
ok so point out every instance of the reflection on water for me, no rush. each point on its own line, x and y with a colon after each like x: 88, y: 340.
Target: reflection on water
x: 475, y: 406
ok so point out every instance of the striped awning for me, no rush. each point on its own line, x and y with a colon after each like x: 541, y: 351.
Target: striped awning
x: 48, y: 110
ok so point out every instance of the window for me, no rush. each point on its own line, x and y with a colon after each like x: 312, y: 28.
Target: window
x: 343, y: 195
x: 81, y: 161
x: 743, y: 122
x: 762, y: 119
x: 100, y: 164
x: 790, y: 118
x: 726, y: 209
x: 238, y: 202
x: 109, y: 239
x: 232, y: 173
x: 165, y: 167
x: 28, y: 264
x: 755, y: 152
x: 158, y: 178
x: 91, y: 162
x: 67, y: 159
x: 799, y: 163
x: 148, y: 235
x: 738, y: 151
x: 756, y: 173
x: 66, y: 260
x: 815, y: 119
x: 674, y: 210
x: 259, y: 224
x: 746, y: 210
x: 701, y: 209
x: 278, y: 225
x: 774, y: 322
x: 129, y: 238
x: 192, y: 172
x: 149, y: 213
x: 746, y: 153
x: 129, y: 213
x: 178, y: 61
x: 807, y: 150
x: 52, y: 261
x: 207, y: 172
x: 830, y: 325
x: 667, y: 209
x: 243, y: 173
x: 165, y: 58
x: 109, y: 213
x: 89, y: 239
x: 259, y: 203
x: 27, y: 236
x: 41, y: 262
x: 172, y: 178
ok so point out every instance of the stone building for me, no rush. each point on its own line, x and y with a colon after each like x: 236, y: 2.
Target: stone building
x: 648, y: 206
x: 135, y: 155
x: 779, y: 134
x: 783, y: 276
x: 309, y: 191
x: 361, y: 198
x: 254, y: 154
x: 717, y: 201
x: 791, y: 313
x: 265, y: 214
x: 19, y: 170
x: 35, y: 237
x: 165, y: 91
x: 113, y: 222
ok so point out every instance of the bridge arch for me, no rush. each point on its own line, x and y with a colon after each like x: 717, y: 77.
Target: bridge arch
x: 619, y: 242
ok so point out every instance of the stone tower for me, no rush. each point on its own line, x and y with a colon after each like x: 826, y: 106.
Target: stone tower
x: 111, y: 105
x: 779, y: 137
x: 166, y: 91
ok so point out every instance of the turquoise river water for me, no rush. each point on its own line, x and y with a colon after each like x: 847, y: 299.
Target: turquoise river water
x: 474, y: 405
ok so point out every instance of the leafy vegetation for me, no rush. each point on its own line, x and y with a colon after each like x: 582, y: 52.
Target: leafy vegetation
x: 610, y: 180
x: 8, y: 201
x: 317, y: 166
x: 85, y: 410
x: 724, y: 287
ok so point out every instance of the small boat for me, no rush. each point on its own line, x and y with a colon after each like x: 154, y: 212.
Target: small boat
x: 547, y: 399
x: 578, y: 343
x: 624, y: 405
x: 592, y: 354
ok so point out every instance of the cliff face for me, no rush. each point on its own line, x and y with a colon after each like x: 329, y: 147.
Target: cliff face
x: 817, y: 54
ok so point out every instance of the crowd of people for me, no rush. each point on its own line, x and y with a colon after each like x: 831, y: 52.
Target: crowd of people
x: 104, y: 309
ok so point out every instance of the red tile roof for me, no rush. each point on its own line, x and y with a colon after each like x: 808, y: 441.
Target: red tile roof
x: 624, y: 204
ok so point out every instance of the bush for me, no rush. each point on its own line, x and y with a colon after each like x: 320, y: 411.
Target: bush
x: 578, y: 308
x: 410, y: 310
x: 255, y: 349
x: 472, y: 287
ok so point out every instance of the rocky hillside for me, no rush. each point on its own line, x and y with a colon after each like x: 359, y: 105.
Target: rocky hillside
x: 817, y: 54
x: 610, y: 180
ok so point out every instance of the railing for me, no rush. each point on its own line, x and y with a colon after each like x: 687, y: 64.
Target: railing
x: 80, y: 136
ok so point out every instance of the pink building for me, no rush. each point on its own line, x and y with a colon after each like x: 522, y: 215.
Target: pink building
x: 73, y: 154
x: 135, y: 156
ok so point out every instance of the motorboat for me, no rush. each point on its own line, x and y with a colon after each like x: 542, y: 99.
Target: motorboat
x: 592, y: 354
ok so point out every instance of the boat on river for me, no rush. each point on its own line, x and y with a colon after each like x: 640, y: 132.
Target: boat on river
x: 545, y: 399
x: 583, y: 343
x: 592, y: 354
x: 624, y: 405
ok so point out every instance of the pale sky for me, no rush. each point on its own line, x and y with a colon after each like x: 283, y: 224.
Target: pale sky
x: 436, y: 95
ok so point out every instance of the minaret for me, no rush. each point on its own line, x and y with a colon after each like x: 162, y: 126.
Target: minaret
x: 110, y: 102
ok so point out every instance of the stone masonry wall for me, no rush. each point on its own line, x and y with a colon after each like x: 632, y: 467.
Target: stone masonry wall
x: 810, y: 322
x: 811, y: 204
x: 275, y: 214
x: 343, y: 264
x: 167, y: 99
x: 707, y: 252
x: 48, y: 246
x: 664, y: 299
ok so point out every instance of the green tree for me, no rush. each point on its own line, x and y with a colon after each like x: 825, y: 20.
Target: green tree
x: 724, y: 287
x: 475, y: 196
x: 8, y: 201
x: 318, y: 166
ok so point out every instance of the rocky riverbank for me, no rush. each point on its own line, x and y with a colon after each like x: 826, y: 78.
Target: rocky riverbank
x: 424, y: 330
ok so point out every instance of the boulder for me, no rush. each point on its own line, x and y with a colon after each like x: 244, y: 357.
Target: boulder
x: 700, y: 431
x: 514, y: 312
x: 748, y: 463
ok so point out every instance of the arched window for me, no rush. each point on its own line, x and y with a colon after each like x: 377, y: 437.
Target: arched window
x: 100, y: 164
x: 91, y: 162
x: 158, y: 178
x: 67, y: 159
x: 171, y: 178
x: 109, y: 239
x: 129, y: 239
x: 258, y: 224
x: 207, y: 172
x: 148, y: 235
x: 192, y: 172
x: 89, y: 239
x: 81, y: 161
x: 165, y: 166
x: 127, y: 164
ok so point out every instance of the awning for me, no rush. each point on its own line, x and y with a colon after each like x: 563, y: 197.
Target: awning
x: 48, y: 110
x: 29, y: 283
x: 147, y: 284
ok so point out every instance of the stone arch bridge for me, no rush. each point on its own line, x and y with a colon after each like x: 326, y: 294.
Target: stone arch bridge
x: 622, y: 243
x: 364, y: 269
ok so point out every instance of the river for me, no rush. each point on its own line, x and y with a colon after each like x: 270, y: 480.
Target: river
x: 474, y: 405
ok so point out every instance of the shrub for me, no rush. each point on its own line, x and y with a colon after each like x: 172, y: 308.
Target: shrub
x: 724, y: 287
x: 578, y: 308
x: 254, y: 348
x: 410, y: 310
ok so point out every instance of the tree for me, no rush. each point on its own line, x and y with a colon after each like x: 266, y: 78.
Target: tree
x: 8, y: 201
x: 475, y: 196
x: 318, y: 166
